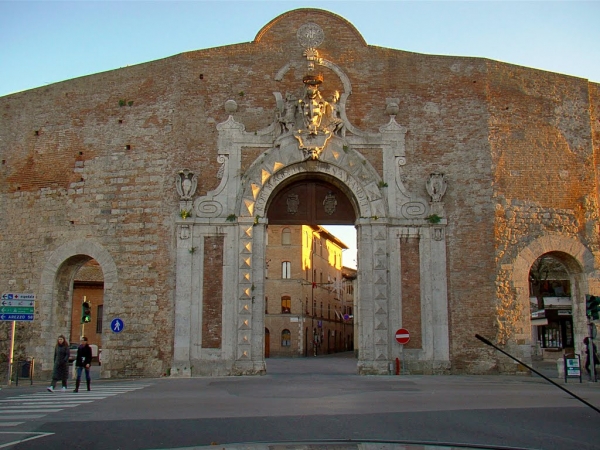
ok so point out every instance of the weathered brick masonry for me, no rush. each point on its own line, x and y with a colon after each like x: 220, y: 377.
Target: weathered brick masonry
x: 88, y: 168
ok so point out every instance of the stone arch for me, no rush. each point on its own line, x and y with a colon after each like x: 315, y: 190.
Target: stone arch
x: 558, y: 244
x: 579, y: 262
x: 352, y: 173
x: 56, y: 287
x: 363, y: 190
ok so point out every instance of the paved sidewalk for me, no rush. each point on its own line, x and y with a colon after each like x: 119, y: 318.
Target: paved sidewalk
x: 341, y: 364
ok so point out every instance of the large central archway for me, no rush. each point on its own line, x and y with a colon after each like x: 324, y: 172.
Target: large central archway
x: 358, y: 196
x: 309, y: 295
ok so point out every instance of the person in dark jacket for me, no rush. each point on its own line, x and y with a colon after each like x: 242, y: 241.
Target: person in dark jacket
x: 83, y: 361
x: 589, y: 359
x: 61, y: 363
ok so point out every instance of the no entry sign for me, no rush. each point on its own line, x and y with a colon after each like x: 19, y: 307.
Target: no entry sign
x: 402, y: 336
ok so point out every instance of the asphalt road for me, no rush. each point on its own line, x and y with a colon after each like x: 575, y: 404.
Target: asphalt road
x: 305, y: 399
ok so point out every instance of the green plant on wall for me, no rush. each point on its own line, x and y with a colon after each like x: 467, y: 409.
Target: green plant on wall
x: 184, y: 213
x: 382, y: 184
x: 434, y: 218
x: 231, y: 218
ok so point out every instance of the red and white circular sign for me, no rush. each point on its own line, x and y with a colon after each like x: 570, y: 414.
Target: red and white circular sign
x: 402, y: 336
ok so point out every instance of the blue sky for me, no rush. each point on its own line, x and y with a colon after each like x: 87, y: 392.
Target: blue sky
x: 43, y: 42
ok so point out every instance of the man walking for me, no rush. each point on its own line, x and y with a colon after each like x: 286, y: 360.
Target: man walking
x: 83, y: 361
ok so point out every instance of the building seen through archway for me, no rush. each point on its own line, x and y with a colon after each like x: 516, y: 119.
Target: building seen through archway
x: 551, y: 305
x: 309, y: 300
x: 88, y: 293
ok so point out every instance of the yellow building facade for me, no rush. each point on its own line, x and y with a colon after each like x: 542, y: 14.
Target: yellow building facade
x: 308, y: 293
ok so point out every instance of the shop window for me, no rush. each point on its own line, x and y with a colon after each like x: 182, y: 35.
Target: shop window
x: 551, y: 336
x: 569, y: 341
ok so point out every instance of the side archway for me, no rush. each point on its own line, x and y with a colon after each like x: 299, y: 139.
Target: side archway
x: 56, y: 289
x: 578, y: 261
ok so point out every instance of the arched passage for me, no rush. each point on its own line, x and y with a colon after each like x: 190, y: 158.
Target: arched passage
x: 579, y: 263
x: 56, y: 289
x: 306, y: 284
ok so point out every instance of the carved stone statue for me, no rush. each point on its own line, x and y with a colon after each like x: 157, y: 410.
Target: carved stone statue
x: 289, y: 117
x: 336, y: 123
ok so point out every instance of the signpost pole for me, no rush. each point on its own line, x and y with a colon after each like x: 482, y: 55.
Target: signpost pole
x: 403, y: 337
x: 11, y: 352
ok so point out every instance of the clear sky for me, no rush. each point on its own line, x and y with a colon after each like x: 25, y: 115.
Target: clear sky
x: 43, y: 42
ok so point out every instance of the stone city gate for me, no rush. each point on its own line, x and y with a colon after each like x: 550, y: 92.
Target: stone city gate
x: 219, y: 309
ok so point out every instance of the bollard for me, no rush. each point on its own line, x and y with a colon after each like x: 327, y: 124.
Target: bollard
x: 397, y: 366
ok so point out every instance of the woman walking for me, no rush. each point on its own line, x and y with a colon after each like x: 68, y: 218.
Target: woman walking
x: 61, y: 363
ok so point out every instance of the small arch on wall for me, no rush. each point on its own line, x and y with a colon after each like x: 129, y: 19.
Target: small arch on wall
x: 579, y: 263
x: 575, y: 256
x: 56, y: 286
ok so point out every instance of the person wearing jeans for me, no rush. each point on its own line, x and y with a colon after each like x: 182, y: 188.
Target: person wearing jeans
x: 83, y: 362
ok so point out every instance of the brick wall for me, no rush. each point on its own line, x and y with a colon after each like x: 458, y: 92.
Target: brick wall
x: 411, y: 291
x: 94, y: 158
x: 212, y: 299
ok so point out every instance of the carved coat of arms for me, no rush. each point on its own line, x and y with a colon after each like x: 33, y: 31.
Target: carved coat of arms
x: 330, y: 203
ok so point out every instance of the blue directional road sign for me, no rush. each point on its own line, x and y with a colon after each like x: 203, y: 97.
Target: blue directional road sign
x: 18, y: 317
x: 117, y: 325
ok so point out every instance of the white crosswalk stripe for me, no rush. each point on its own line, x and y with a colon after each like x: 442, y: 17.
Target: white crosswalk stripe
x: 15, y: 410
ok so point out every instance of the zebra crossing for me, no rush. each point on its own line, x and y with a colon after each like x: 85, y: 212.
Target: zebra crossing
x: 15, y: 411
